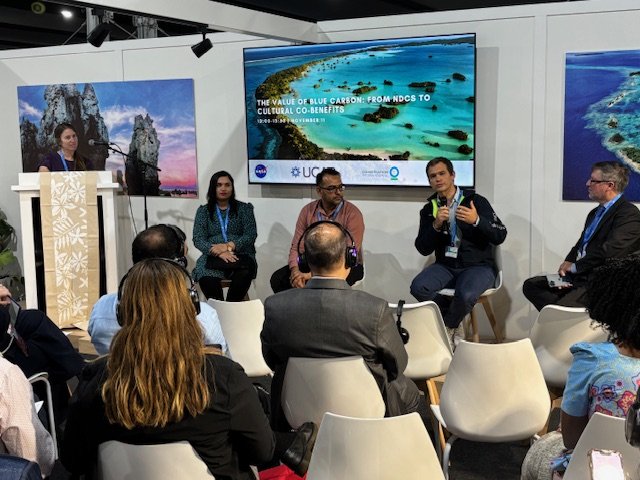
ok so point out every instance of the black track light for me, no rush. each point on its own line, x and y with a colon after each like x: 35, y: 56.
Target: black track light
x: 99, y: 34
x: 202, y: 47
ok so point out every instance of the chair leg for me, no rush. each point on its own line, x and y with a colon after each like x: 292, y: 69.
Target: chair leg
x: 492, y: 318
x: 434, y: 398
x: 474, y: 327
x: 445, y: 456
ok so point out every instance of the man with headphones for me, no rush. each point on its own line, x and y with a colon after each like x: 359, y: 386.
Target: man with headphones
x: 329, y: 319
x: 158, y: 241
x: 330, y: 206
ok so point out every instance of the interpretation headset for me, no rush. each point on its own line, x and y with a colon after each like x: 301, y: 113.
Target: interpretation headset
x: 193, y: 293
x: 350, y: 255
x: 632, y: 424
x: 181, y: 237
x: 404, y: 333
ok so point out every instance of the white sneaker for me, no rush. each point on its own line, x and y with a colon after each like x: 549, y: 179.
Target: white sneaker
x: 455, y: 335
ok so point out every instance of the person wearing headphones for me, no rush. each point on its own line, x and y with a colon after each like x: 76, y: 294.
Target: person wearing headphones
x: 330, y: 206
x: 329, y: 319
x: 157, y: 385
x: 157, y: 241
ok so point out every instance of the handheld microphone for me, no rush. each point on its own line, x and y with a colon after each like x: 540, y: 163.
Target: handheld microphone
x: 442, y: 202
x: 93, y: 143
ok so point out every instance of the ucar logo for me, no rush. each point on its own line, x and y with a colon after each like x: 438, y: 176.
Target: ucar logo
x: 261, y: 171
x: 394, y: 172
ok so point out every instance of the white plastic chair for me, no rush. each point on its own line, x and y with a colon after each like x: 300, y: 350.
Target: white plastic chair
x: 493, y: 393
x: 241, y: 324
x: 373, y: 449
x: 428, y: 349
x: 314, y: 386
x: 44, y: 378
x: 484, y: 300
x: 604, y: 432
x: 117, y: 461
x: 553, y: 332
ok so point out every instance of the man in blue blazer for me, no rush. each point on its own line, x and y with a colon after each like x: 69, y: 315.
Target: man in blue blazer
x: 611, y: 230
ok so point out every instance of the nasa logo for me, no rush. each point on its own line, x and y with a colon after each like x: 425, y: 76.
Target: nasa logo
x: 261, y: 171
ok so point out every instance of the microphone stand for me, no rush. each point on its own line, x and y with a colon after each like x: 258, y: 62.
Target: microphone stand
x: 144, y: 164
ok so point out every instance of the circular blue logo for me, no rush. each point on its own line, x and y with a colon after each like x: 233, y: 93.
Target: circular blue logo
x: 394, y: 172
x: 261, y: 171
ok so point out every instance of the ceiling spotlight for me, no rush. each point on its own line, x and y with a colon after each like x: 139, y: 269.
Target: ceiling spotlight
x: 202, y: 47
x: 99, y: 34
x: 66, y: 13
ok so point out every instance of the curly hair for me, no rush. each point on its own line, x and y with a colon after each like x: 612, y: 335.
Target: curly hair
x: 613, y: 300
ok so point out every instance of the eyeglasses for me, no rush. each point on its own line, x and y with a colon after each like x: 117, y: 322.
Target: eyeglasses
x: 593, y: 180
x: 334, y: 188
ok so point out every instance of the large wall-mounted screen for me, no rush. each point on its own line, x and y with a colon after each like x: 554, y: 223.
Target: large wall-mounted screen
x: 377, y: 110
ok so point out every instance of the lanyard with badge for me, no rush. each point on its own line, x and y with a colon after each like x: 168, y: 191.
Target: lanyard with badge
x: 451, y: 250
x: 224, y: 224
x: 333, y: 215
x: 64, y: 161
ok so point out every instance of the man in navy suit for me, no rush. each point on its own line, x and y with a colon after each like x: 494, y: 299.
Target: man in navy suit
x: 611, y: 230
x: 328, y: 319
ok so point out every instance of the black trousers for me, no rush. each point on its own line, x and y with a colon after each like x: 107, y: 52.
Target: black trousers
x: 280, y: 278
x: 538, y: 292
x: 240, y: 283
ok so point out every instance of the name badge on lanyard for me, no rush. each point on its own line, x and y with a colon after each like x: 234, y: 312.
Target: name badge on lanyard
x: 451, y: 252
x: 64, y: 162
x: 224, y: 223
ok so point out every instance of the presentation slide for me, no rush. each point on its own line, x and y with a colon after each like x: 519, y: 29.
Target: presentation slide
x: 377, y: 110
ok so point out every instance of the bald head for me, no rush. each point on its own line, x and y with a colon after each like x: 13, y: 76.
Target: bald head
x: 325, y: 246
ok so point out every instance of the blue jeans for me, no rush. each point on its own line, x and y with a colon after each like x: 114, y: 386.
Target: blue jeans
x: 469, y: 283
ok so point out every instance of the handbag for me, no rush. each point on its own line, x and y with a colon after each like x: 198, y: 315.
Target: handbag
x: 244, y: 262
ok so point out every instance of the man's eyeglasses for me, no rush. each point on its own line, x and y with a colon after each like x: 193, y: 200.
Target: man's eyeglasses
x: 593, y: 180
x: 334, y: 188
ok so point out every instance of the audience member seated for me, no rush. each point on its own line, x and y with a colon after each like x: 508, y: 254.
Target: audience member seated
x: 329, y: 319
x: 603, y: 376
x: 612, y: 230
x: 21, y: 433
x: 158, y: 241
x: 158, y: 386
x: 225, y: 232
x: 37, y: 345
x: 331, y: 206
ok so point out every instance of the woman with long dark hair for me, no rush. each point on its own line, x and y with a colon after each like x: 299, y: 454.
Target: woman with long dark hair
x: 158, y: 386
x: 66, y: 157
x: 225, y: 232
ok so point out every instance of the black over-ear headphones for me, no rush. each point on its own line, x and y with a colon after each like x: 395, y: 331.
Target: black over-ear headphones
x: 351, y: 252
x: 193, y: 293
x: 632, y: 424
x: 178, y: 255
x: 404, y: 333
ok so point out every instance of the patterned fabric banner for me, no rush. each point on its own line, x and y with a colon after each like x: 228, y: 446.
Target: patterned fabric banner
x: 69, y: 206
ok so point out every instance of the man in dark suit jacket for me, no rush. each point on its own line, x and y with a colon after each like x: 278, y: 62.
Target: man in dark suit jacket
x: 611, y: 230
x: 327, y: 319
